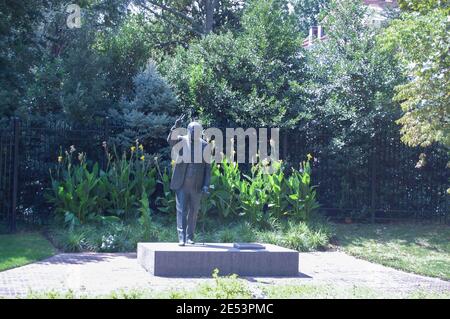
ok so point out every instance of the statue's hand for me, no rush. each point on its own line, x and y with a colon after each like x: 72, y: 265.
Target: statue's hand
x: 205, y: 190
x: 179, y: 119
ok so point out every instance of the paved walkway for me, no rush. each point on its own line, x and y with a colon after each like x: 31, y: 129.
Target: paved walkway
x: 99, y: 273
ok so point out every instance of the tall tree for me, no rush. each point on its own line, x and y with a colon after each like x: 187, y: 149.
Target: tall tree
x: 19, y: 49
x: 190, y: 19
x: 351, y: 80
x: 148, y: 114
x: 242, y: 78
x: 70, y: 80
x: 420, y: 41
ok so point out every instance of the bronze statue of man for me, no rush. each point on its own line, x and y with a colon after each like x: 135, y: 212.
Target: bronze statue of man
x: 190, y: 178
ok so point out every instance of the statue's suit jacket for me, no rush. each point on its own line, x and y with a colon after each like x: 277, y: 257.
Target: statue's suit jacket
x: 203, y: 169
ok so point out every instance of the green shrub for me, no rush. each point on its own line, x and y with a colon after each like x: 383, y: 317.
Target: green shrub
x: 261, y: 197
x: 82, y: 194
x: 123, y: 191
x: 300, y: 194
x: 226, y: 235
x: 166, y: 201
x: 225, y: 186
x: 123, y: 237
x: 69, y: 241
x: 297, y: 235
x: 245, y: 232
x: 111, y: 209
x: 227, y: 287
x: 75, y: 190
x: 126, y: 179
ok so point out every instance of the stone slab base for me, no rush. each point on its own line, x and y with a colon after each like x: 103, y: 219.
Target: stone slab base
x: 171, y: 260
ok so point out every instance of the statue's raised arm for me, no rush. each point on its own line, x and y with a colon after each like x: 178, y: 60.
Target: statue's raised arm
x: 170, y: 139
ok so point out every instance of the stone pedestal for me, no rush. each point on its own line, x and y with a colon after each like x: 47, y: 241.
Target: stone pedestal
x: 171, y: 260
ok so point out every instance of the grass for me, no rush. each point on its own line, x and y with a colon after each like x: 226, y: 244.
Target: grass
x: 234, y: 288
x: 328, y: 291
x: 418, y: 248
x: 223, y: 287
x: 23, y: 248
x: 319, y: 291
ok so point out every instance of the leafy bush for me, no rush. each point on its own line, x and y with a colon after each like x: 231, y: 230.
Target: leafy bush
x: 69, y: 241
x: 166, y: 201
x: 111, y: 209
x: 259, y: 197
x: 82, y: 194
x: 301, y: 196
x: 127, y: 180
x: 125, y: 189
x: 227, y: 287
x: 75, y: 190
x: 299, y: 236
x: 123, y: 237
x: 225, y: 188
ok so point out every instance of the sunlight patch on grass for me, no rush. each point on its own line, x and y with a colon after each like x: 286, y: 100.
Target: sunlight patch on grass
x: 23, y: 248
x: 417, y: 248
x: 332, y: 291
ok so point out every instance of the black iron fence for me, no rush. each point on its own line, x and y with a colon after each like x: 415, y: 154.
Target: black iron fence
x: 28, y: 152
x: 371, y: 179
x: 9, y: 174
x: 376, y: 178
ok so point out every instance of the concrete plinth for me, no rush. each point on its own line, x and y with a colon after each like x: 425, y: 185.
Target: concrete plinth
x: 169, y: 259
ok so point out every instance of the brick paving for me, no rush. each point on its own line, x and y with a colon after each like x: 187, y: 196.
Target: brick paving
x: 102, y: 273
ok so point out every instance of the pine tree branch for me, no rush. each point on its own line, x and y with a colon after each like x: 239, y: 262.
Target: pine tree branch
x: 179, y: 26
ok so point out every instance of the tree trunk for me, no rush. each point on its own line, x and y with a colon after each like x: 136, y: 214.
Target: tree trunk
x: 209, y: 15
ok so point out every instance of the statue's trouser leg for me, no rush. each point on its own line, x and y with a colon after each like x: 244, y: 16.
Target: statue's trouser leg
x: 181, y: 198
x: 194, y: 206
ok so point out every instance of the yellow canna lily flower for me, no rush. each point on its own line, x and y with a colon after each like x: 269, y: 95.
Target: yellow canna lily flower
x: 142, y: 157
x: 309, y: 156
x: 141, y: 147
x: 133, y: 148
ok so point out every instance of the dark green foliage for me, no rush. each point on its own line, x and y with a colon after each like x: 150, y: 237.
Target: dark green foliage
x: 244, y: 78
x: 246, y: 69
x: 19, y: 49
x: 121, y: 201
x: 124, y: 236
x: 308, y: 13
x: 352, y: 81
x: 349, y: 106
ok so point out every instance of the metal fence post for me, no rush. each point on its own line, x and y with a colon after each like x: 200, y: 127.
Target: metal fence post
x: 373, y: 180
x: 373, y: 190
x: 16, y: 140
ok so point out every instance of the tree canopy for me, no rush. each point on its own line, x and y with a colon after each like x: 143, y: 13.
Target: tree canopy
x: 233, y: 63
x: 420, y: 41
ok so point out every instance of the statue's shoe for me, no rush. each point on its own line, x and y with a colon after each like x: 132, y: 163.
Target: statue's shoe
x: 181, y: 243
x: 190, y: 242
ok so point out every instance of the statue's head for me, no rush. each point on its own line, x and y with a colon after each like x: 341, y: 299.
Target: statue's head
x: 194, y: 129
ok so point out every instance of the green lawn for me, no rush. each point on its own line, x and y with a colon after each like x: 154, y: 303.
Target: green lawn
x: 416, y: 248
x: 227, y: 291
x: 329, y: 291
x: 23, y: 248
